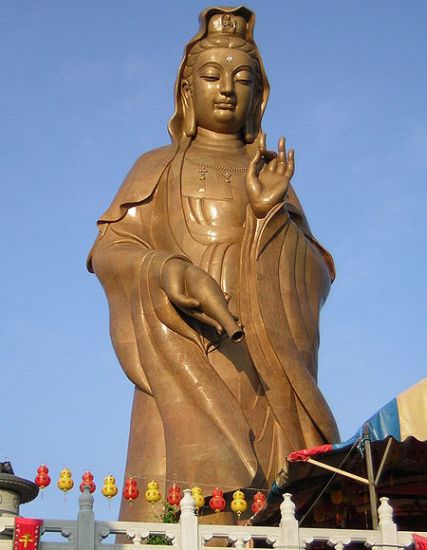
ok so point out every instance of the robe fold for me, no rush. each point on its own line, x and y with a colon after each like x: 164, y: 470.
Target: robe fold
x: 189, y: 422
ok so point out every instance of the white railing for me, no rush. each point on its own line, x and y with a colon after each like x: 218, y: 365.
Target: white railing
x: 88, y: 534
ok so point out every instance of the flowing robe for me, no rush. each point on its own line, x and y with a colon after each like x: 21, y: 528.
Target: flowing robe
x: 189, y: 424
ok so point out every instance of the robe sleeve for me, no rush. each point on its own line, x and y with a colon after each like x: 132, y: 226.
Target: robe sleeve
x: 115, y: 258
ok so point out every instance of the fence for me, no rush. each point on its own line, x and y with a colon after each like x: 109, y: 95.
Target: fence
x: 88, y: 534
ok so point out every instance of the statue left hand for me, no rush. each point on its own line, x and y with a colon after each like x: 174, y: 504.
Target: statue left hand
x: 268, y: 177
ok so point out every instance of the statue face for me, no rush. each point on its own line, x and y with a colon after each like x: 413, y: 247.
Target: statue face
x: 223, y: 89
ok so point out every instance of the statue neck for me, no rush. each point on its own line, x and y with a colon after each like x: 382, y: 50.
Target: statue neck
x: 207, y: 138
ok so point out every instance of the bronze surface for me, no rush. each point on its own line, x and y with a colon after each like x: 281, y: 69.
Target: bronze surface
x: 215, y: 283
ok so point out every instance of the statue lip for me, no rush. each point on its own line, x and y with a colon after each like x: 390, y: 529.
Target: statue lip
x: 227, y: 105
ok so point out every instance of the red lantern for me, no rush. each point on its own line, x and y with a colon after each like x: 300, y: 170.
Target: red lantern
x: 174, y: 495
x: 217, y: 502
x: 130, y: 490
x: 258, y: 503
x: 42, y: 478
x: 87, y: 478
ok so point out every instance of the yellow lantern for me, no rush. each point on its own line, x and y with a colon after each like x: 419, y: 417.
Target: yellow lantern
x: 152, y: 494
x: 319, y: 514
x: 65, y: 481
x: 109, y: 489
x: 337, y: 496
x: 239, y: 504
x: 199, y: 499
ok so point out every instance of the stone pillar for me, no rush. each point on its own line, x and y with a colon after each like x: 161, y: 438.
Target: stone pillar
x: 289, y: 523
x: 86, y: 522
x: 387, y: 527
x: 188, y: 523
x: 14, y: 491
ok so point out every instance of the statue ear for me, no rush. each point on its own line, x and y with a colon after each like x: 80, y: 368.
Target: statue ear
x: 253, y: 122
x: 249, y: 130
x: 189, y: 115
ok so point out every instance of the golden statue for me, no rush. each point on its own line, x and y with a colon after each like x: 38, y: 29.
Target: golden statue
x: 215, y: 282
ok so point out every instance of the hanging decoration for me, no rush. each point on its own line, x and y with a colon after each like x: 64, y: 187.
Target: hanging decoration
x: 239, y: 504
x: 420, y: 542
x: 174, y: 495
x: 130, y: 490
x: 258, y: 503
x: 152, y: 494
x: 337, y: 496
x: 199, y: 499
x: 110, y: 489
x: 42, y: 478
x: 217, y: 502
x: 26, y: 534
x: 319, y: 514
x: 87, y: 481
x: 65, y: 481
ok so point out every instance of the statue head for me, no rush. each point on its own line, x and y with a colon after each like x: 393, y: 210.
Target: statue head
x: 221, y: 84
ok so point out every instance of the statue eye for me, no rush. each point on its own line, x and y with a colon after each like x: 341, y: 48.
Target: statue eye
x: 209, y: 73
x: 210, y: 77
x: 244, y: 77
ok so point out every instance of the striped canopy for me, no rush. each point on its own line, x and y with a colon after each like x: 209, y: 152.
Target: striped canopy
x: 404, y: 416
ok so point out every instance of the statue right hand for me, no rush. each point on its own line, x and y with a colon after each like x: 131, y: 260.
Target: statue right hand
x: 198, y: 295
x: 174, y: 281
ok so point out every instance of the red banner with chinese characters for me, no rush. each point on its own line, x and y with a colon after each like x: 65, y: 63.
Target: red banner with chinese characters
x: 27, y: 534
x: 420, y: 542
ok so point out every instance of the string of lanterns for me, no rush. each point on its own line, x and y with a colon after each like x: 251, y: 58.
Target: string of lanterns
x: 152, y: 493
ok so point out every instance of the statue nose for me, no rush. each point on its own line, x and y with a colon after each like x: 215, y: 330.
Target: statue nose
x: 227, y: 85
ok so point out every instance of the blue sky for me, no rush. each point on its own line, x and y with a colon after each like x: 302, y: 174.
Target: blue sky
x: 87, y: 87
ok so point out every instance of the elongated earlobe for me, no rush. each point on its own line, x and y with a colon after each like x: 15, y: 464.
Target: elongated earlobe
x: 189, y: 115
x: 190, y: 123
x: 249, y: 130
x: 252, y: 125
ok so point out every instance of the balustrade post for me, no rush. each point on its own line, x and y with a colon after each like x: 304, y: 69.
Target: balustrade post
x: 289, y: 523
x: 189, y: 523
x: 86, y: 522
x: 387, y: 527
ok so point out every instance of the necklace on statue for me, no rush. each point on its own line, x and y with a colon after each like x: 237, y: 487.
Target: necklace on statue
x: 225, y: 171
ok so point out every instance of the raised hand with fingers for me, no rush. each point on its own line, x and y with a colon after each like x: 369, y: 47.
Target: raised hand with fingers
x: 268, y: 176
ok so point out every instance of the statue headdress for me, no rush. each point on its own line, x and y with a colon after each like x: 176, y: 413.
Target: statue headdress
x: 221, y: 27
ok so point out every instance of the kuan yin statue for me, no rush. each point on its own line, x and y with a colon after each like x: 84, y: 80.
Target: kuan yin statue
x: 215, y: 282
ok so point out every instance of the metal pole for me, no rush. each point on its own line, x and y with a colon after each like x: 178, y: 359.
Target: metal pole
x: 383, y: 461
x: 370, y: 471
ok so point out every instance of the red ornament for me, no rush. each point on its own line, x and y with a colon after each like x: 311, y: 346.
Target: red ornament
x: 42, y: 478
x: 26, y: 534
x: 217, y: 502
x: 130, y: 490
x: 87, y: 478
x: 174, y: 495
x: 258, y: 503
